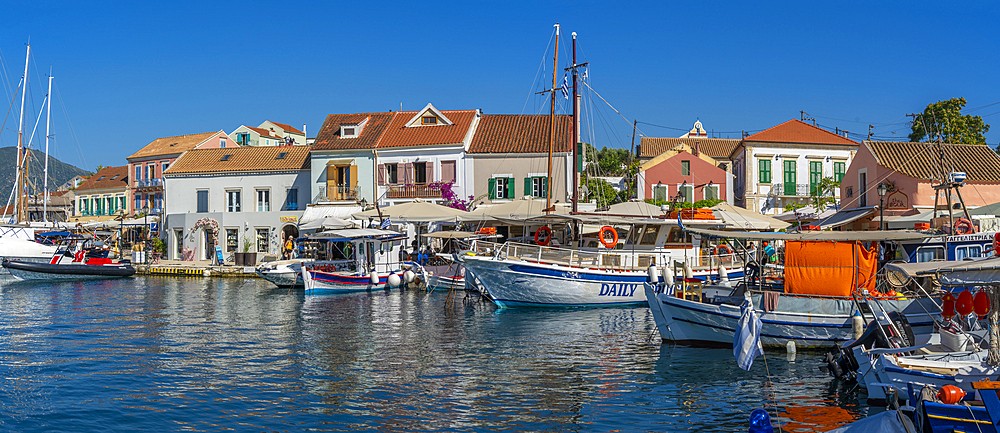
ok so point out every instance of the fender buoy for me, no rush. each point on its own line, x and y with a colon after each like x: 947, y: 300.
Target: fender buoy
x: 948, y: 307
x: 608, y: 231
x: 543, y: 236
x: 717, y: 251
x: 996, y: 244
x: 965, y: 227
x: 950, y: 394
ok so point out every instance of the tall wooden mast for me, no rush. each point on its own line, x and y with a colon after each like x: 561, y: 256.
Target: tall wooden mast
x: 19, y: 200
x: 552, y: 123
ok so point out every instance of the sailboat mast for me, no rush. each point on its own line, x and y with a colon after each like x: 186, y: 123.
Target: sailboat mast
x: 45, y: 176
x: 576, y: 133
x: 552, y: 122
x: 18, y: 203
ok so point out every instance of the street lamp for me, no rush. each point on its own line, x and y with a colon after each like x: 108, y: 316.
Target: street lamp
x: 145, y: 222
x: 882, y: 189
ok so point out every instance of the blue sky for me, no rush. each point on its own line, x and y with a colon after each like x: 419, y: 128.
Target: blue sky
x: 129, y: 72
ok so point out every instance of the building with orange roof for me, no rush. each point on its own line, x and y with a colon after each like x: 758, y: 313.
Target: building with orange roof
x: 102, y: 196
x: 268, y: 134
x: 147, y: 165
x: 255, y: 194
x: 782, y: 165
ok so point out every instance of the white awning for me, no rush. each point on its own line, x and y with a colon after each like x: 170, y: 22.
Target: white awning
x: 348, y: 234
x: 316, y: 212
x: 340, y: 162
x: 845, y: 216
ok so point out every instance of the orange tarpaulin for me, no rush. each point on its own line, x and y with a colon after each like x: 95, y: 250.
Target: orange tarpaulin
x: 829, y: 268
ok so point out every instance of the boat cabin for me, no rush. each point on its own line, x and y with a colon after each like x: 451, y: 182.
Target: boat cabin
x: 356, y: 250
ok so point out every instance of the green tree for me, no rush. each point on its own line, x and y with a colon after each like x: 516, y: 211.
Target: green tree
x: 945, y: 118
x: 601, y: 191
x: 822, y: 195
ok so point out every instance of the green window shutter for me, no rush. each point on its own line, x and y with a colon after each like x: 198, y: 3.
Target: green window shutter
x: 685, y: 168
x: 815, y: 174
x: 839, y: 170
x: 527, y: 186
x: 545, y: 186
x: 764, y: 165
x: 510, y: 187
x: 493, y: 188
x: 789, y: 177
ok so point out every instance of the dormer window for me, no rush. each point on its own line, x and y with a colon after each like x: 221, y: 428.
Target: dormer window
x: 429, y: 120
x: 100, y: 178
x: 348, y: 131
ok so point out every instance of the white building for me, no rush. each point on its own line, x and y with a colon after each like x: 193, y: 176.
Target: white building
x: 254, y: 195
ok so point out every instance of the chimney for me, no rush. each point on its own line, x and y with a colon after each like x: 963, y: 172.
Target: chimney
x: 697, y: 149
x: 304, y: 130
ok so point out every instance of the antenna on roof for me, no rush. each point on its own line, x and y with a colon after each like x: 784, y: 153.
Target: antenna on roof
x: 400, y: 105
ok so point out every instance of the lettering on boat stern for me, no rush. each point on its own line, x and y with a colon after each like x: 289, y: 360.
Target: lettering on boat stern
x: 618, y: 289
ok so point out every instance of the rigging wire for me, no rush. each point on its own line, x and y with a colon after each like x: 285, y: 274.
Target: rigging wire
x: 69, y: 124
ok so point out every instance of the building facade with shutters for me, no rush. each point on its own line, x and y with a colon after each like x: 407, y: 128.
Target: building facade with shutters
x: 684, y: 175
x: 256, y: 195
x: 509, y: 156
x: 102, y: 196
x: 784, y: 164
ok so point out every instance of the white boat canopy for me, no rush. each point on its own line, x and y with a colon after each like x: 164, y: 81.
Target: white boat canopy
x: 418, y: 211
x: 348, y: 234
x: 891, y: 235
x: 952, y: 273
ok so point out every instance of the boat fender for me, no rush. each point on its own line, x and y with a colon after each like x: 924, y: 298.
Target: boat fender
x: 409, y: 276
x: 723, y: 273
x: 688, y: 273
x: 996, y: 244
x: 950, y: 394
x: 373, y: 277
x: 964, y: 303
x: 790, y: 346
x: 981, y: 304
x: 393, y: 280
x: 668, y: 275
x: 857, y: 325
x: 654, y: 274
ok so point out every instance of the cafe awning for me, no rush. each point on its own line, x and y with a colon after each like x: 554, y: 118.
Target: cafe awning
x: 845, y: 216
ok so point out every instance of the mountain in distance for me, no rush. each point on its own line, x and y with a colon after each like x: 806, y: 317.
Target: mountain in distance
x: 59, y: 172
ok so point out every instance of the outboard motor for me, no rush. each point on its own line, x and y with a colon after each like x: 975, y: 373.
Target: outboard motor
x: 840, y: 362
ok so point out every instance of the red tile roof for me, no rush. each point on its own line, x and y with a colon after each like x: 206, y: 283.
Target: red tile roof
x: 397, y: 134
x: 920, y: 160
x: 242, y: 159
x: 651, y: 147
x: 173, y: 145
x: 287, y: 128
x: 108, y: 177
x: 797, y: 131
x: 328, y: 137
x: 265, y: 132
x: 521, y: 133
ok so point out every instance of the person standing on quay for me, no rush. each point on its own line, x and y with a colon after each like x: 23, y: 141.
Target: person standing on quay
x: 289, y: 248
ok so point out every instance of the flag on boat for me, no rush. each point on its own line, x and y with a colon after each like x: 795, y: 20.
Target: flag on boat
x: 565, y: 87
x: 746, y: 344
x: 385, y: 223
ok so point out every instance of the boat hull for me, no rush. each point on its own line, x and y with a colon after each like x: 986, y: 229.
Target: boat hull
x: 960, y: 369
x: 45, y: 271
x: 286, y: 273
x: 809, y: 322
x: 337, y: 282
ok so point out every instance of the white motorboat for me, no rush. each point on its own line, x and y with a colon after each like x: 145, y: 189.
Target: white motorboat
x: 363, y: 259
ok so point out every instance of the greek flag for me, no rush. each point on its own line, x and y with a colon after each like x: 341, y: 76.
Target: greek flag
x: 565, y: 87
x: 746, y: 344
x: 385, y: 224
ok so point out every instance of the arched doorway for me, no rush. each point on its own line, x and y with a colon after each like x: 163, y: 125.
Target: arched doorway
x: 286, y: 231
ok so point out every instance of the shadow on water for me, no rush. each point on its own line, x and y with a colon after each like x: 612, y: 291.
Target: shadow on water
x: 169, y: 353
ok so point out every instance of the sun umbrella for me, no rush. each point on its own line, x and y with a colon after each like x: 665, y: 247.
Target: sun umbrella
x: 416, y: 211
x: 514, y: 211
x: 737, y: 217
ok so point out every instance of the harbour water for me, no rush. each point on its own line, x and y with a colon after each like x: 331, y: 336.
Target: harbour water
x: 211, y: 354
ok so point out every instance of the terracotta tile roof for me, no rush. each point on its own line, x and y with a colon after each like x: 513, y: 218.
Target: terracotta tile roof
x: 57, y: 193
x: 797, y: 131
x: 108, y: 177
x: 265, y: 132
x: 242, y: 159
x: 287, y: 128
x: 521, y: 133
x: 328, y: 137
x: 651, y: 147
x: 397, y: 134
x: 172, y: 145
x: 920, y: 160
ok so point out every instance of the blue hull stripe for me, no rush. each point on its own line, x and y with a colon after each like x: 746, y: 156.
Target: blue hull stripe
x: 762, y: 335
x: 510, y: 303
x: 589, y: 276
x: 782, y: 322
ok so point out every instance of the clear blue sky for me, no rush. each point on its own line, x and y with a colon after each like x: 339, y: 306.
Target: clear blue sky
x: 129, y: 72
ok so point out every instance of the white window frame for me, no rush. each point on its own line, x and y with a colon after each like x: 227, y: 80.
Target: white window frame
x: 230, y: 193
x: 927, y: 248
x: 713, y: 187
x: 501, y: 188
x: 263, y: 199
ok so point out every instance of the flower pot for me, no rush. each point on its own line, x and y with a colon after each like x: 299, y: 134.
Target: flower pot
x: 250, y: 259
x: 240, y: 258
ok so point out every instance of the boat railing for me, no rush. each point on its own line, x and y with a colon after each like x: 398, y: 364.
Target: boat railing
x: 620, y: 260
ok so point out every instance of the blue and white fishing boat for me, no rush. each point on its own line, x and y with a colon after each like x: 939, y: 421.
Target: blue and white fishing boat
x: 355, y: 260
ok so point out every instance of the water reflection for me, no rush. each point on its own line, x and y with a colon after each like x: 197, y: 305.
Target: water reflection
x: 176, y: 353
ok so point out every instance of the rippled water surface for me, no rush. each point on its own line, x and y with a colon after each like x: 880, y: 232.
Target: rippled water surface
x: 177, y: 354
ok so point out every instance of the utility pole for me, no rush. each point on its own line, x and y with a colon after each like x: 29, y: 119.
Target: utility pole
x: 870, y: 132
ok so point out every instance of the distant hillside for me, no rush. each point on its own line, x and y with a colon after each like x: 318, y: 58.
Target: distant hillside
x: 59, y: 171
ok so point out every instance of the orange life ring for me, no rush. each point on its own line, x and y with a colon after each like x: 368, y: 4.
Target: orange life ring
x: 603, y: 234
x: 717, y: 251
x: 964, y: 227
x: 546, y: 239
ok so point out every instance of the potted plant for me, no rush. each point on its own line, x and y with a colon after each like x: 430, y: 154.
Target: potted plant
x: 246, y: 258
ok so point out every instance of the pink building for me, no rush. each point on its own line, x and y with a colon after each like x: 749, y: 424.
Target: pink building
x: 910, y: 171
x: 685, y: 171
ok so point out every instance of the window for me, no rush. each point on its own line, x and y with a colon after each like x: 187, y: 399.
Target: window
x: 790, y: 177
x: 232, y: 239
x: 429, y: 120
x: 138, y: 202
x: 764, y: 167
x: 292, y: 199
x: 839, y: 168
x: 222, y: 143
x: 158, y: 204
x: 685, y: 168
x: 281, y: 155
x: 815, y: 174
x: 863, y: 189
x: 392, y: 173
x: 536, y: 186
x: 164, y: 166
x: 101, y: 178
x: 420, y: 172
x: 348, y: 132
x: 660, y: 192
x: 138, y: 173
x: 711, y: 192
x: 501, y: 188
x: 649, y: 234
x: 448, y: 171
x: 233, y: 201
x: 688, y: 192
x: 202, y: 200
x: 262, y: 240
x: 241, y: 138
x: 149, y: 174
x: 263, y: 200
x: 226, y: 157
x: 971, y: 251
x: 926, y: 254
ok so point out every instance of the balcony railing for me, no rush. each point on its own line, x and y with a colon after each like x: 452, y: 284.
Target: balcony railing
x: 338, y: 193
x: 413, y: 191
x: 797, y: 190
x: 148, y: 183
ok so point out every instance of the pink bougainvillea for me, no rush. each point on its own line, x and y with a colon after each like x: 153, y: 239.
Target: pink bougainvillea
x: 450, y: 198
